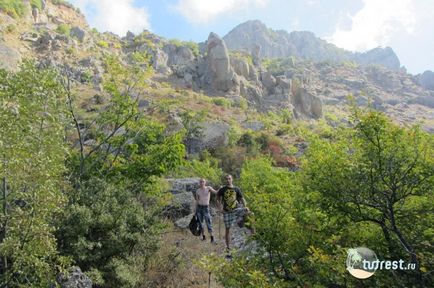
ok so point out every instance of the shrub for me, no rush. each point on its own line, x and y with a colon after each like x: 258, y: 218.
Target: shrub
x: 63, y: 29
x: 220, y: 101
x: 10, y: 28
x: 194, y: 47
x: 14, y: 8
x: 102, y: 44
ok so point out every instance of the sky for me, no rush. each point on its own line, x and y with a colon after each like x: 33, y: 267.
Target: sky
x: 355, y: 25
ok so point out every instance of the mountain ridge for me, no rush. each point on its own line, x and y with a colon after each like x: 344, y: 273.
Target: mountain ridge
x: 304, y: 44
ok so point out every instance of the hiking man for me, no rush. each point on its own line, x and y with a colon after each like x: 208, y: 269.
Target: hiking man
x: 202, y: 197
x: 229, y: 196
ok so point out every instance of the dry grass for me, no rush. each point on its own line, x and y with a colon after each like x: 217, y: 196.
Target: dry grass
x: 173, y: 266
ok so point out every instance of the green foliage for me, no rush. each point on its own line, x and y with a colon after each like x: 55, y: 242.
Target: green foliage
x: 242, y: 55
x: 36, y: 4
x: 63, y: 29
x: 103, y: 44
x: 383, y: 174
x: 365, y: 186
x: 10, y: 28
x: 32, y: 165
x: 14, y: 8
x: 111, y: 225
x: 278, y: 66
x: 206, y: 167
x: 191, y: 122
x: 221, y: 101
x: 194, y: 47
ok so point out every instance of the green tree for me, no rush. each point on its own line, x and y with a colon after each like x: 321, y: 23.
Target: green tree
x: 382, y: 174
x: 33, y: 150
x: 112, y: 224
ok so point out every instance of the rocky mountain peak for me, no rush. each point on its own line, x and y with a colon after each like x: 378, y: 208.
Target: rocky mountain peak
x: 302, y: 44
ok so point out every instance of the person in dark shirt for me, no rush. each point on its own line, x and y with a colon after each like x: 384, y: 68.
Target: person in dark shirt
x: 228, y: 198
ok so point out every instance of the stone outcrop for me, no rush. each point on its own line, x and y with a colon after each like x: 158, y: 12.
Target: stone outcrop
x: 426, y: 80
x: 218, y: 72
x: 9, y: 58
x: 182, y: 190
x: 214, y: 135
x: 306, y: 104
x: 75, y: 279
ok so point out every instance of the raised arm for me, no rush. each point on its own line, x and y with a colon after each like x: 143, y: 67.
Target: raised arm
x: 212, y: 190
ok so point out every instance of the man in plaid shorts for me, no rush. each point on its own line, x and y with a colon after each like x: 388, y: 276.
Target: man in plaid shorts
x: 229, y: 196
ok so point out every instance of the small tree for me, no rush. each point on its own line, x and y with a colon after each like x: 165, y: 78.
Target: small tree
x: 32, y: 145
x: 382, y: 174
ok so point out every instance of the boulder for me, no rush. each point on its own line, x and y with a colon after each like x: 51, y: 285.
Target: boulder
x: 75, y: 278
x: 241, y: 67
x: 253, y: 125
x: 214, y: 135
x: 268, y: 80
x: 181, y: 55
x: 306, y: 104
x: 9, y: 58
x: 184, y: 221
x: 183, y: 190
x: 179, y: 185
x: 426, y: 80
x: 219, y: 72
x: 78, y: 33
x: 174, y: 123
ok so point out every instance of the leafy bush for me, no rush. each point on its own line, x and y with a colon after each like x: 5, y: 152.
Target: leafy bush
x: 36, y: 4
x: 103, y: 44
x: 194, y: 47
x: 206, y: 168
x: 112, y: 224
x: 14, y: 8
x: 64, y: 29
x: 367, y: 184
x: 10, y: 28
x: 220, y: 101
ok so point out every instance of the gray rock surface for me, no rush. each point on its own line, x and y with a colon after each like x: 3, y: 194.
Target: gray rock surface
x: 426, y: 80
x: 78, y: 33
x: 253, y: 125
x: 9, y: 58
x: 75, y: 279
x: 183, y: 190
x: 214, y: 135
x: 219, y: 73
x: 306, y: 104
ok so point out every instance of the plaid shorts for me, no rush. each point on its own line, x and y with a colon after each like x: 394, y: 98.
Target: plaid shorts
x: 230, y: 217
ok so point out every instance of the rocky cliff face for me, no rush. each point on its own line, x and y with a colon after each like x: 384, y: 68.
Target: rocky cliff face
x: 316, y: 77
x: 281, y: 44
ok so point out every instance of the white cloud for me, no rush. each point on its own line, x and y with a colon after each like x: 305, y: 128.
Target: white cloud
x: 117, y: 16
x: 202, y: 11
x: 375, y: 24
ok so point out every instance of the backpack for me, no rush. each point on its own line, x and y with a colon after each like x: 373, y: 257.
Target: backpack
x: 194, y: 226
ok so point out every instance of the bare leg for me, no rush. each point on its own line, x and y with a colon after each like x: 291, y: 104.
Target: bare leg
x: 227, y: 237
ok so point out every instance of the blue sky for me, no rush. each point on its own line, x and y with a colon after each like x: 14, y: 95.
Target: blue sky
x: 356, y: 25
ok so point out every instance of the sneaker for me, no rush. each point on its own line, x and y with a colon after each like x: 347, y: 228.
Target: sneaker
x: 228, y: 256
x: 213, y: 241
x: 203, y: 238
